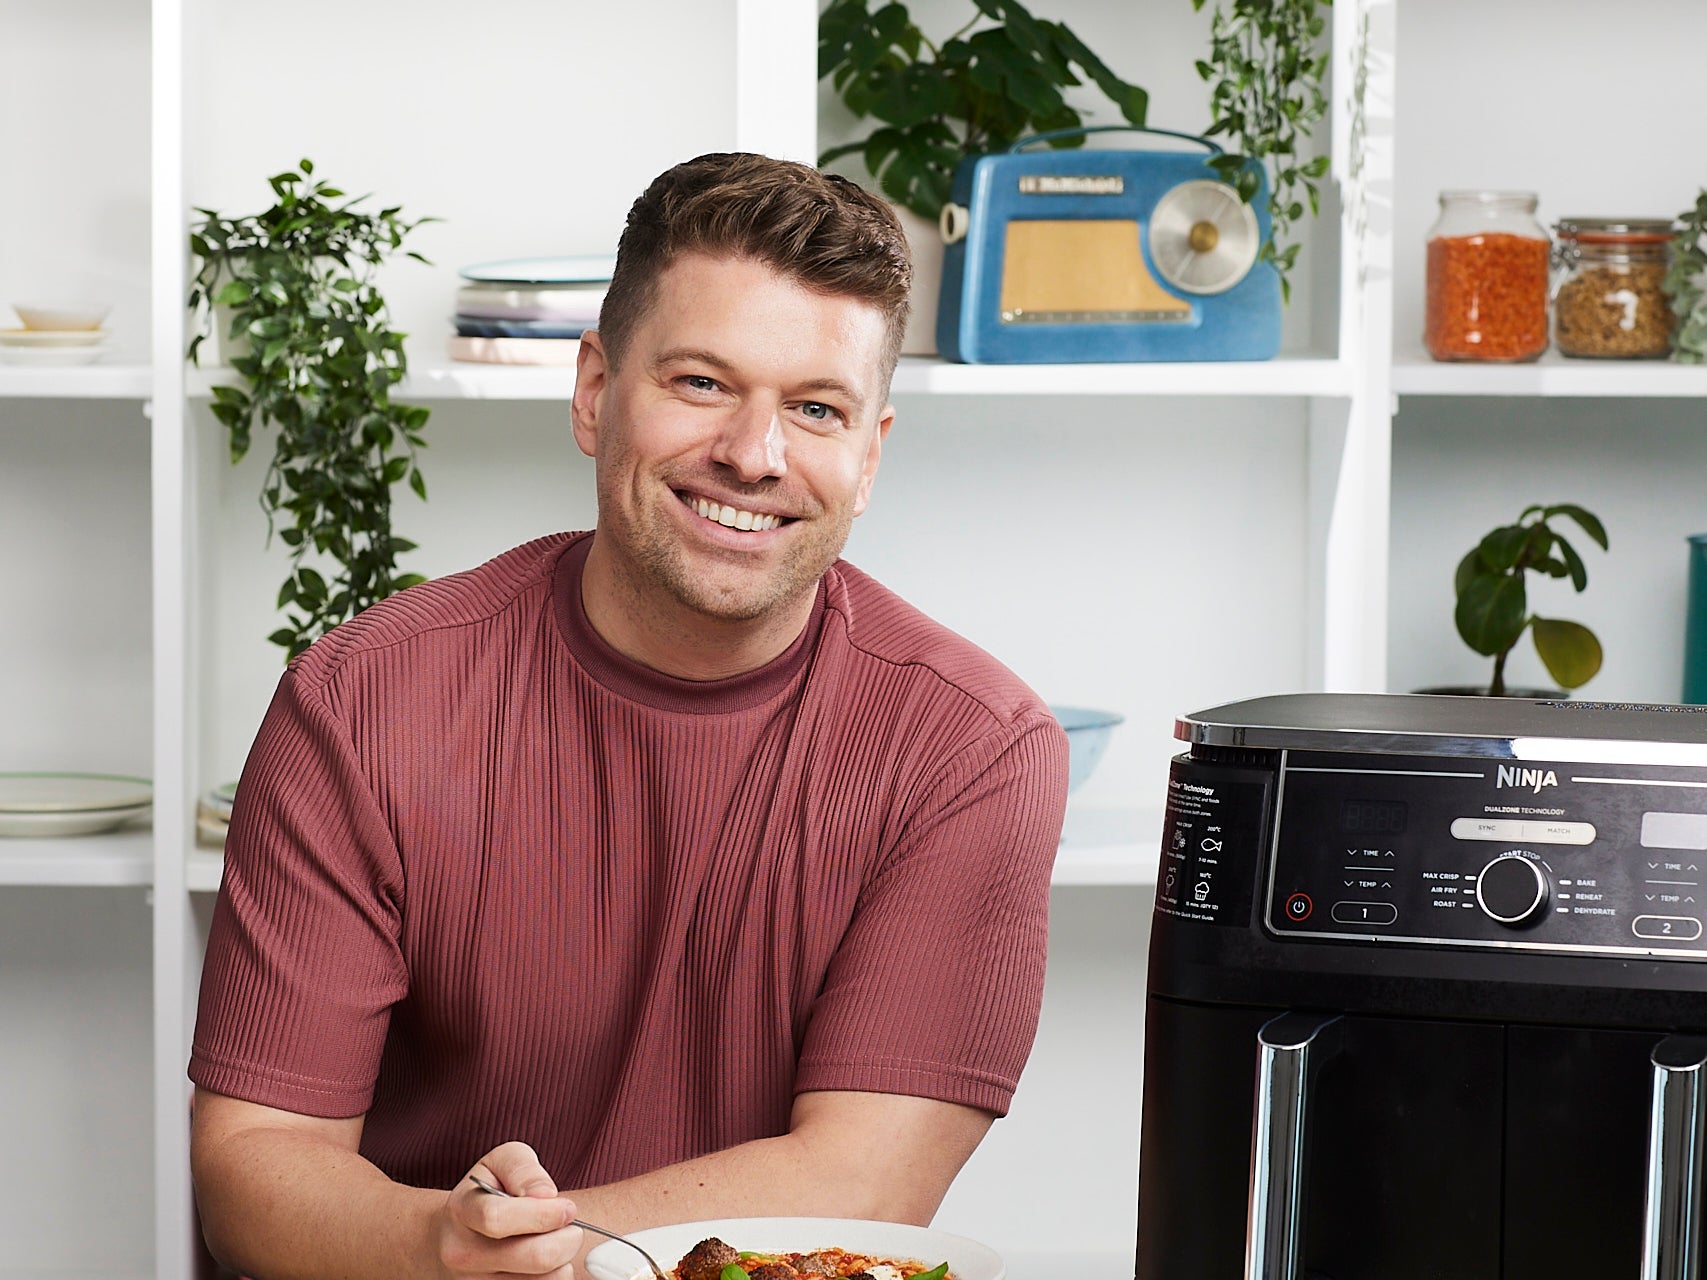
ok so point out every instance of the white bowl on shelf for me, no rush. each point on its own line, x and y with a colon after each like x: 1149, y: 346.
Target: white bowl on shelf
x: 62, y: 316
x: 1087, y: 738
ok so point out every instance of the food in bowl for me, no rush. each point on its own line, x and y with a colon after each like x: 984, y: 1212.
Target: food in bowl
x: 713, y: 1259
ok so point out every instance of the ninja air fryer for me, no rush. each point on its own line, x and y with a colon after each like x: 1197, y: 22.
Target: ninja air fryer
x: 1428, y: 993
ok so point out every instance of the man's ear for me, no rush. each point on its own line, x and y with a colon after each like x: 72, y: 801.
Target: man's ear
x: 592, y: 377
x: 873, y: 455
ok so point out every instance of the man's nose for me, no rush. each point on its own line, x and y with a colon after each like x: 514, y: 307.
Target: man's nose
x: 751, y: 442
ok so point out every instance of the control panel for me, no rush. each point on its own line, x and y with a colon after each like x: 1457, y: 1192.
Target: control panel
x: 1474, y: 851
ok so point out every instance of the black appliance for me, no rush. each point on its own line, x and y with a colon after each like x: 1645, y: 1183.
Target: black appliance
x: 1428, y: 993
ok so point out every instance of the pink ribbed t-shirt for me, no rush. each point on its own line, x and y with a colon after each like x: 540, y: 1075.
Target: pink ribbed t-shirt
x: 487, y: 879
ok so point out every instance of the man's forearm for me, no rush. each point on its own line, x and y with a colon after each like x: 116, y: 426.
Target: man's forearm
x: 847, y: 1155
x: 279, y: 1203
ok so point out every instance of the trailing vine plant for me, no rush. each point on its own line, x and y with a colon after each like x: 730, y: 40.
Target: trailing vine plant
x: 1685, y: 284
x: 316, y: 358
x: 981, y: 89
x: 1266, y: 68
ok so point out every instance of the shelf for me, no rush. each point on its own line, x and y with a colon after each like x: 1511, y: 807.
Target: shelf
x: 79, y: 382
x: 121, y: 857
x: 203, y: 869
x: 919, y: 375
x: 1098, y: 847
x: 1288, y: 376
x: 1414, y: 373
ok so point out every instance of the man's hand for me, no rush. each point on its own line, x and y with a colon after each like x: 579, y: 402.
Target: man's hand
x: 529, y: 1230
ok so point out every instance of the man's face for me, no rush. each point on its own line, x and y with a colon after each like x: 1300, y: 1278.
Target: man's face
x: 737, y: 441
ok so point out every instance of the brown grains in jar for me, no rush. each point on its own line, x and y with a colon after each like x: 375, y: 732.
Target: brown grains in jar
x: 1614, y: 311
x: 1486, y: 297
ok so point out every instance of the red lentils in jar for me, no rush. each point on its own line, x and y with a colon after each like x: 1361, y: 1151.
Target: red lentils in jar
x: 1488, y: 265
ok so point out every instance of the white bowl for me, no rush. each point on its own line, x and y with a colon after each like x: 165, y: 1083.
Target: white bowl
x: 967, y: 1259
x: 1087, y: 738
x: 62, y: 315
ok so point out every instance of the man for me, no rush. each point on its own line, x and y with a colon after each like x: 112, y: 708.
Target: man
x: 669, y: 872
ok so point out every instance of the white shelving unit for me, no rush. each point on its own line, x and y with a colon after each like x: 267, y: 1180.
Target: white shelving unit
x: 1154, y: 538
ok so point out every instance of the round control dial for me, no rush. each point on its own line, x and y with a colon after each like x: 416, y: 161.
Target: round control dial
x: 1512, y: 889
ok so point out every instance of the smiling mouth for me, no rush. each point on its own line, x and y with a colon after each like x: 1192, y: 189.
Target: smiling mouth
x: 732, y: 517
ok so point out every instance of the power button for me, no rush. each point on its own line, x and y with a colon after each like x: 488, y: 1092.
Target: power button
x: 1299, y: 907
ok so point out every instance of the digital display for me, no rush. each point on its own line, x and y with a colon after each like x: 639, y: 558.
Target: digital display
x: 1372, y: 817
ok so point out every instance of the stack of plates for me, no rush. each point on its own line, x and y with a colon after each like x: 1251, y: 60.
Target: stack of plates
x: 213, y: 815
x: 70, y: 804
x: 52, y: 346
x: 528, y: 311
x: 56, y: 333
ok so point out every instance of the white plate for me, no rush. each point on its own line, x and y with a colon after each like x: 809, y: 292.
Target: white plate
x: 26, y: 793
x: 77, y: 822
x: 38, y: 338
x: 52, y: 355
x: 582, y: 269
x: 967, y: 1259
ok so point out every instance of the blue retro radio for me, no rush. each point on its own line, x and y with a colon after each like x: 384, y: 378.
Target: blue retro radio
x: 1057, y: 256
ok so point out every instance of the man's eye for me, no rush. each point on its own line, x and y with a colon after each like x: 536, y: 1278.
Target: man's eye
x: 699, y: 382
x: 817, y: 412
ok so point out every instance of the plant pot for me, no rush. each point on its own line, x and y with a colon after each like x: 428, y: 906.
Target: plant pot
x: 1481, y: 691
x: 925, y: 243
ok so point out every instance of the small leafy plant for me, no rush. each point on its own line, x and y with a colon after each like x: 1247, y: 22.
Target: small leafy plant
x: 1266, y: 67
x: 980, y: 90
x: 320, y: 361
x: 1493, y: 604
x: 1684, y: 285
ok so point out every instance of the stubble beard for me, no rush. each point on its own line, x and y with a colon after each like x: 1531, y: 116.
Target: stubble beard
x: 659, y: 560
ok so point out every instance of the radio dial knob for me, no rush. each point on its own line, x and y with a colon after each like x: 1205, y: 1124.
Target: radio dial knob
x: 1512, y: 889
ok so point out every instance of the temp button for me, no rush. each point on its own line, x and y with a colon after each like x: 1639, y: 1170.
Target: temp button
x: 1674, y: 928
x: 1365, y: 912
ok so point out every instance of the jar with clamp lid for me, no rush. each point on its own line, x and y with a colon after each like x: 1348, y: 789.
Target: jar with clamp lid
x: 1488, y: 262
x: 1608, y: 302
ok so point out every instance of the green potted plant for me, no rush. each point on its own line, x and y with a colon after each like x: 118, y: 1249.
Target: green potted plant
x: 315, y: 358
x: 997, y: 78
x: 1492, y: 610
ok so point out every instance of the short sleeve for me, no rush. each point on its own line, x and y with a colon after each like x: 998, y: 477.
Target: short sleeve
x: 303, y: 962
x: 936, y: 987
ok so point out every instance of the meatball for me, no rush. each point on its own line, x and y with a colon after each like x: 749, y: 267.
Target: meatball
x: 774, y: 1271
x: 706, y: 1260
x: 815, y: 1264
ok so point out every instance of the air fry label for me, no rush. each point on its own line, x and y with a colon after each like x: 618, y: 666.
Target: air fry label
x: 1211, y: 842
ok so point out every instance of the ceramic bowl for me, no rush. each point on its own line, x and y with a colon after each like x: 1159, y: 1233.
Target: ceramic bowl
x: 62, y: 315
x: 1087, y: 738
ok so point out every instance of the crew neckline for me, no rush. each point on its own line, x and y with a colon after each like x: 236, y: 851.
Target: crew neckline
x: 624, y: 676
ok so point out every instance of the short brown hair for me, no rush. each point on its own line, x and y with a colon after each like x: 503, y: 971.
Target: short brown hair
x: 823, y: 230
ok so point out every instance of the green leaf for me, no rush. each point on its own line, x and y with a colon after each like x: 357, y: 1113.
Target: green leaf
x: 1570, y: 651
x: 1589, y: 523
x: 1491, y: 613
x: 1501, y: 549
x: 1573, y: 564
x: 732, y: 1272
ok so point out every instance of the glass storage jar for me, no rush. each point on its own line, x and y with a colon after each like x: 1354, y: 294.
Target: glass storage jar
x: 1488, y: 262
x: 1608, y: 301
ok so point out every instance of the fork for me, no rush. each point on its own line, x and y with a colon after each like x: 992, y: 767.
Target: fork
x: 492, y: 1190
